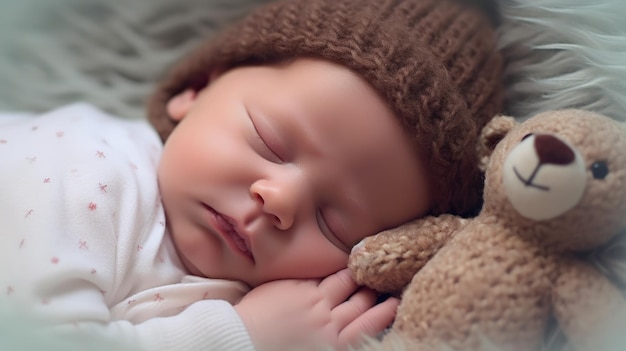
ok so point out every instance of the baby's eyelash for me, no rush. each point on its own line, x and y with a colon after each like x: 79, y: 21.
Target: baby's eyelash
x: 328, y: 233
x: 268, y: 153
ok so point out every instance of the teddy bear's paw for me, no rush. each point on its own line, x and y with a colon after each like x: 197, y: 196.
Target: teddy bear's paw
x: 368, y: 267
x: 385, y: 269
x: 387, y: 261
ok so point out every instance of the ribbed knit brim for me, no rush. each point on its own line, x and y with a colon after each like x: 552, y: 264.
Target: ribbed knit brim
x: 433, y: 61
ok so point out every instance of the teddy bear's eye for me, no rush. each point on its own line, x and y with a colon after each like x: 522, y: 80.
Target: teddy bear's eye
x: 527, y: 136
x: 599, y: 169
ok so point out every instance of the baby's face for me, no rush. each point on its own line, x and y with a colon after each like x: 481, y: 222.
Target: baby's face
x: 277, y: 171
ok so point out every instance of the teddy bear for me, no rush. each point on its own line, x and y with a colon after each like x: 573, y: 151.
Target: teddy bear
x: 555, y: 187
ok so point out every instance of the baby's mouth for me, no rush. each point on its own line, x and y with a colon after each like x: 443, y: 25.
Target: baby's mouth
x: 229, y: 227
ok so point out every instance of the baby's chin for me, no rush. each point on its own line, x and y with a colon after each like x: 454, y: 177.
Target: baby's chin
x: 302, y: 276
x: 255, y: 278
x: 251, y: 281
x: 254, y: 282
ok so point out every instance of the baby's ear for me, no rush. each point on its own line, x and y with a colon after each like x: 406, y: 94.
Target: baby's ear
x: 491, y: 134
x: 179, y: 105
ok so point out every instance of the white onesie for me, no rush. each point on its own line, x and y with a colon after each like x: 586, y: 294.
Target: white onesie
x: 84, y: 252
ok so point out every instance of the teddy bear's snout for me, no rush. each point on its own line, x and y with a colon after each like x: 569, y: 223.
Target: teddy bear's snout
x: 551, y: 150
x: 543, y: 176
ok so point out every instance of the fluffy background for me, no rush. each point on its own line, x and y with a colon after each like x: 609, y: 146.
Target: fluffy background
x: 565, y: 53
x: 560, y: 53
x: 106, y: 52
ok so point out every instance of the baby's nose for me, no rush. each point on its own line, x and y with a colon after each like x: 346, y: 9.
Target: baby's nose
x: 279, y: 200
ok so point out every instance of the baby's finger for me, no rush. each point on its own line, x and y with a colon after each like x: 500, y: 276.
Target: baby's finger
x: 338, y: 287
x: 355, y: 306
x: 370, y: 323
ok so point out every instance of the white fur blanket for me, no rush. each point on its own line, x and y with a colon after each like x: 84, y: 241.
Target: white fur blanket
x: 565, y: 53
x: 106, y: 52
x: 562, y: 53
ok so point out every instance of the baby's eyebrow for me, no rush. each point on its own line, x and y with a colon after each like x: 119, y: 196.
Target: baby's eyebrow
x: 302, y: 137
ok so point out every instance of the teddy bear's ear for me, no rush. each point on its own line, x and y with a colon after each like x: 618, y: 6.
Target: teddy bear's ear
x: 490, y: 136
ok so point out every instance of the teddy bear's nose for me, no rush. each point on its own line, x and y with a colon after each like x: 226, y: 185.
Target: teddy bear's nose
x: 551, y: 150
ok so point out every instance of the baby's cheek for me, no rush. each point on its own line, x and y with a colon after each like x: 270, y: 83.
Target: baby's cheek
x: 336, y: 262
x: 325, y: 262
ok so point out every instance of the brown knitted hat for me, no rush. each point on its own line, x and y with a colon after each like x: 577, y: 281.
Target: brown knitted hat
x: 433, y: 61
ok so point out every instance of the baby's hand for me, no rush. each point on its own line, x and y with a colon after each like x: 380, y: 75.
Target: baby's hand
x: 313, y: 313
